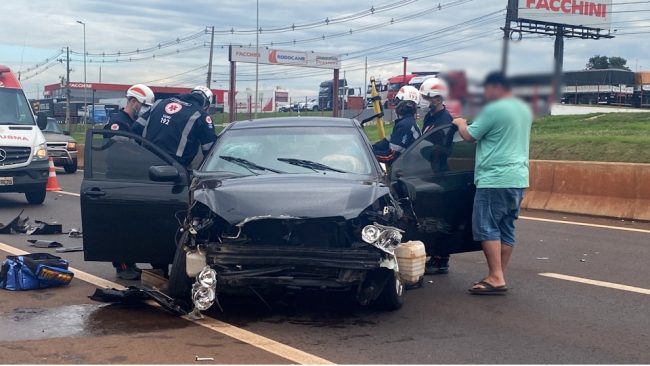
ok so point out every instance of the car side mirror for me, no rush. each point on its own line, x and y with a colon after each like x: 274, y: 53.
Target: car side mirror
x: 41, y: 120
x: 67, y: 133
x: 163, y: 173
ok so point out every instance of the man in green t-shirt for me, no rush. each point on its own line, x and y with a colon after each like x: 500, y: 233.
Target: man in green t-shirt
x: 502, y: 134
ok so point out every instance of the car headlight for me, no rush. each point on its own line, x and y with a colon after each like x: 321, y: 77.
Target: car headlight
x: 203, y: 297
x: 207, y: 277
x: 385, y: 238
x: 40, y: 152
x: 72, y: 146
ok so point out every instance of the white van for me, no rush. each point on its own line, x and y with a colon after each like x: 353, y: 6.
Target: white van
x: 23, y: 150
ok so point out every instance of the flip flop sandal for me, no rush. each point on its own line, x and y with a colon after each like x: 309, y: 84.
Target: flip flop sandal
x: 488, y: 289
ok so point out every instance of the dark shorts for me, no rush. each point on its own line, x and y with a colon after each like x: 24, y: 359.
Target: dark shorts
x: 495, y: 212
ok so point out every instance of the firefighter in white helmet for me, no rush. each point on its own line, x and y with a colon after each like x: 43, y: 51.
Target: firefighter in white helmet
x: 405, y: 131
x: 139, y: 98
x: 435, y: 91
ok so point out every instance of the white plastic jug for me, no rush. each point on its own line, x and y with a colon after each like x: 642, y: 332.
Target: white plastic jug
x: 411, y: 257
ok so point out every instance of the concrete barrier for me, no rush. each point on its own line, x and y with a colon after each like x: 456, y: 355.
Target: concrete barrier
x: 593, y: 188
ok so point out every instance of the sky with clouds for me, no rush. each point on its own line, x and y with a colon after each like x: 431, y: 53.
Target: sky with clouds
x: 435, y: 35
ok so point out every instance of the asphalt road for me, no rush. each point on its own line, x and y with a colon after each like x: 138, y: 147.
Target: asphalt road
x: 543, y: 319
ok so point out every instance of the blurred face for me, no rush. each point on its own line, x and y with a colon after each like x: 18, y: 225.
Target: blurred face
x: 435, y: 103
x: 133, y: 107
x: 493, y: 92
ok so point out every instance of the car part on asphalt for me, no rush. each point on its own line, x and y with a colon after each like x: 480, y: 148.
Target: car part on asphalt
x: 15, y: 225
x: 34, y: 271
x: 38, y: 243
x: 70, y: 249
x: 44, y: 228
x: 204, y: 358
x: 134, y: 295
x: 75, y: 233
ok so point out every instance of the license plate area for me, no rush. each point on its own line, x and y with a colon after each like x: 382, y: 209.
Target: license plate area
x: 6, y: 181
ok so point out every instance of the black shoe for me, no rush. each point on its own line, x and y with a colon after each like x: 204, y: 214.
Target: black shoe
x: 129, y: 272
x: 437, y: 265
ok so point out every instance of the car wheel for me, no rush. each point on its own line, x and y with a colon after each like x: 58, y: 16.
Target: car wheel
x: 180, y: 284
x: 315, y: 109
x: 72, y: 168
x: 392, y: 296
x: 36, y: 197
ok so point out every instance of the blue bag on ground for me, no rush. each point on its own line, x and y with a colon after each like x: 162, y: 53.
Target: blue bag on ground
x: 34, y: 271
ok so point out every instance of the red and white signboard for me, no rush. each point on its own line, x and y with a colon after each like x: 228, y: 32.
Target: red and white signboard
x: 285, y: 57
x: 587, y: 13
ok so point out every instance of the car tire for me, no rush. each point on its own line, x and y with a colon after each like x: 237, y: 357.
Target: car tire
x: 179, y: 285
x: 392, y: 296
x: 315, y: 109
x: 72, y: 168
x: 36, y: 197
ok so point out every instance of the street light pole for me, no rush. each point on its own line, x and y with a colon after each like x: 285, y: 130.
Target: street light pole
x: 85, y: 89
x: 257, y: 54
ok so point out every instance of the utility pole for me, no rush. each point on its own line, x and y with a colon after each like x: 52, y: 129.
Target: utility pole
x: 511, y: 13
x: 85, y: 80
x: 404, y: 75
x: 67, y: 88
x: 365, y: 83
x: 559, y: 58
x: 257, y: 54
x: 100, y: 74
x: 210, y: 59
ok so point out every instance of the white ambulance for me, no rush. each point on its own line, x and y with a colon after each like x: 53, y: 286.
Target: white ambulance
x: 23, y: 150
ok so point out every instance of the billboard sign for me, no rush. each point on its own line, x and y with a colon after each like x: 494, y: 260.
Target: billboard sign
x: 285, y: 57
x: 581, y: 13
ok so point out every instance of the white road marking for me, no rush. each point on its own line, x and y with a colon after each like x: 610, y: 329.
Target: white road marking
x: 255, y: 340
x: 587, y: 281
x: 585, y: 224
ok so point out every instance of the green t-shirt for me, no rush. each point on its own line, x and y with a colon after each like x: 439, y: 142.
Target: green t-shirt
x: 502, y: 132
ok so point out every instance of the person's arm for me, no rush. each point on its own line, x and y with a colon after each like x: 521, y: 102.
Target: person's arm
x: 462, y: 129
x: 206, y: 134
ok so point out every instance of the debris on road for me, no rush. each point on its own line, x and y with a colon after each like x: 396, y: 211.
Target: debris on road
x: 134, y: 295
x: 70, y: 249
x: 38, y: 243
x: 34, y: 271
x: 44, y: 228
x: 17, y: 224
x: 204, y: 358
x: 542, y: 258
x: 75, y: 233
x: 583, y: 260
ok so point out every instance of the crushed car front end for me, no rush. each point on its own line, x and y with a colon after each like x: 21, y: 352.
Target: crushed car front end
x: 279, y: 233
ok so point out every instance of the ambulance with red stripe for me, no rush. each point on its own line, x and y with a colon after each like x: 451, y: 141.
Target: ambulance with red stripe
x: 23, y: 150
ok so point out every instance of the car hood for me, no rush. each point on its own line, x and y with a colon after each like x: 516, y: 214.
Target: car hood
x: 20, y: 136
x: 288, y: 196
x: 57, y: 137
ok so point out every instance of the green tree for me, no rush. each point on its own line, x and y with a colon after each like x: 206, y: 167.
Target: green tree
x: 618, y: 63
x: 598, y: 62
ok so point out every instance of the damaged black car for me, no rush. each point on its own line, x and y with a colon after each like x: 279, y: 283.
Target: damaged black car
x: 280, y: 204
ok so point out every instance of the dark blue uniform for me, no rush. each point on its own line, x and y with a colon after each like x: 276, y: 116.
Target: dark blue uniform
x: 120, y: 121
x: 406, y: 131
x: 179, y: 126
x: 436, y: 119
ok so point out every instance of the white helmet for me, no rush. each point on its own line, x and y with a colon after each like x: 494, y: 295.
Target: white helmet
x: 408, y: 93
x: 205, y: 92
x: 434, y: 87
x: 142, y: 93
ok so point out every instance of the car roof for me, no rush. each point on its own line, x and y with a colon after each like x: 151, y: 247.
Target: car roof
x: 295, y: 122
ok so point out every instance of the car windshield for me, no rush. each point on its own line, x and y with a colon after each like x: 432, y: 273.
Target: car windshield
x: 290, y: 150
x: 394, y: 87
x: 325, y: 89
x: 14, y: 109
x: 53, y: 127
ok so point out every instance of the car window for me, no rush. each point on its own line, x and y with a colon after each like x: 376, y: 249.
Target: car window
x: 440, y: 151
x: 53, y: 127
x: 340, y: 148
x: 121, y: 158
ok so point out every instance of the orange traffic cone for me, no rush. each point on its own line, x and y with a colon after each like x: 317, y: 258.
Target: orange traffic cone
x: 52, y: 182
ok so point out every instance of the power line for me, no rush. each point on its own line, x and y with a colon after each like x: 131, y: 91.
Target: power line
x: 139, y: 51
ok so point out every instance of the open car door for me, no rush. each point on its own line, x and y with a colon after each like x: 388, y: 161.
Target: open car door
x: 436, y: 176
x: 131, y: 196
